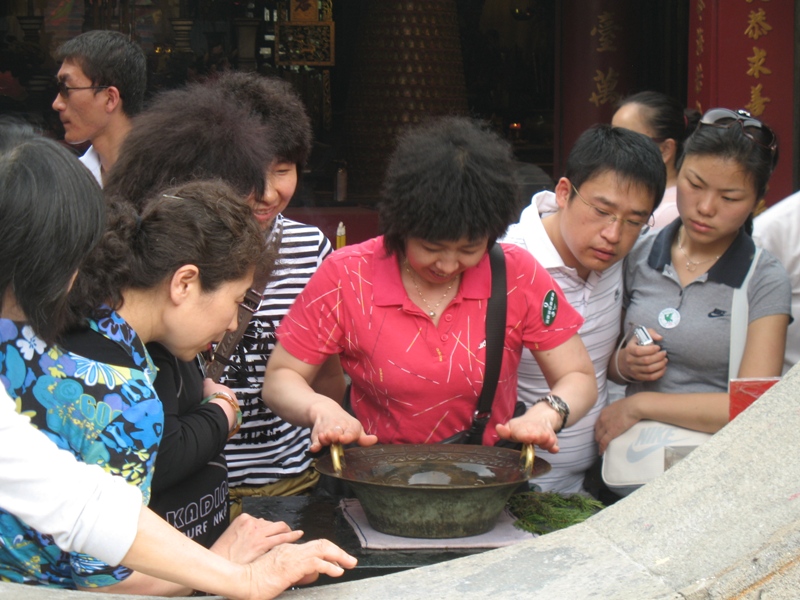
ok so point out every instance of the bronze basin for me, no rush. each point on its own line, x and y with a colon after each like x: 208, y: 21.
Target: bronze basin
x: 432, y: 490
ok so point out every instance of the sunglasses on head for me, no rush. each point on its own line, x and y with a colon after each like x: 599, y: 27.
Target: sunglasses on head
x: 725, y: 118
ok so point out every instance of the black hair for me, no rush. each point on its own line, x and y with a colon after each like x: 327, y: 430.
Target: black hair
x: 448, y: 179
x: 110, y: 58
x: 196, y: 132
x: 665, y: 116
x: 731, y: 142
x: 278, y: 105
x: 632, y: 156
x: 202, y: 223
x: 51, y: 214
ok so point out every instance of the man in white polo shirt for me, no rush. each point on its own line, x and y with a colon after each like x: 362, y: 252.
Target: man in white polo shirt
x: 580, y: 233
x: 101, y: 86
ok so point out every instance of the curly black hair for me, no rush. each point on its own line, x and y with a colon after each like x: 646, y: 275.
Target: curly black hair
x: 278, y: 105
x: 203, y: 223
x: 195, y: 132
x: 448, y: 179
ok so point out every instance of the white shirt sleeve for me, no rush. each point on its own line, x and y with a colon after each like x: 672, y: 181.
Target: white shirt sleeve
x: 84, y: 508
x: 777, y: 231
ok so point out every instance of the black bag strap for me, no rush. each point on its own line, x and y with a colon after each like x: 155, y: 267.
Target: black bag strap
x: 495, y: 338
x: 221, y: 357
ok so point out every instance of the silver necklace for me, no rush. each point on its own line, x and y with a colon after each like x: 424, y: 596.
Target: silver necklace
x: 431, y: 309
x: 691, y: 265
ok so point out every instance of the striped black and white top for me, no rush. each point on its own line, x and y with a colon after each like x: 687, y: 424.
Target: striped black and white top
x: 267, y: 448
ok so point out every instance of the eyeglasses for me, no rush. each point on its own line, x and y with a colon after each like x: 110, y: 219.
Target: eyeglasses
x: 601, y: 215
x: 724, y: 118
x: 64, y: 89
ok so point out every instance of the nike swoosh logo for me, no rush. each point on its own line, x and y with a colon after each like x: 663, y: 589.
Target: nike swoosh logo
x: 717, y: 312
x: 633, y: 455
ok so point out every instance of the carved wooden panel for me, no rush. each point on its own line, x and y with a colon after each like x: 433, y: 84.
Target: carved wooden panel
x: 304, y: 10
x: 305, y: 44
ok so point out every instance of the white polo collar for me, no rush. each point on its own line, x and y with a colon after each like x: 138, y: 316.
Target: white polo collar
x: 532, y: 231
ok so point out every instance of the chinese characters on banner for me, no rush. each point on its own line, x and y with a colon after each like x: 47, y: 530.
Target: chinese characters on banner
x: 597, y: 62
x: 605, y: 30
x: 741, y: 55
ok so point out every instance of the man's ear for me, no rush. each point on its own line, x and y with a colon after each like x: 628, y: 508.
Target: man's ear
x: 563, y: 190
x: 113, y: 99
x: 184, y: 283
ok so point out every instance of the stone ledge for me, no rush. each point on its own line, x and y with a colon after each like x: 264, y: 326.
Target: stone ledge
x: 723, y: 523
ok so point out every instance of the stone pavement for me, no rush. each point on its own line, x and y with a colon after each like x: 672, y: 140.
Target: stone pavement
x: 723, y: 523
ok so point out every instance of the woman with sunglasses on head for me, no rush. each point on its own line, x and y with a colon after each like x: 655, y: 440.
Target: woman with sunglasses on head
x: 664, y: 121
x: 680, y: 282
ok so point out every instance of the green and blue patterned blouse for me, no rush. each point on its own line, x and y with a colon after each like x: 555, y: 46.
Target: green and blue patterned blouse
x: 104, y: 413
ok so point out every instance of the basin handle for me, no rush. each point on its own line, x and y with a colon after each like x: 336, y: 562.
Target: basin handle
x: 526, y: 459
x: 337, y: 457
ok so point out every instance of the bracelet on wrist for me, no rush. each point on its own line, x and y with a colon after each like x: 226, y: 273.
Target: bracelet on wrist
x: 234, y: 404
x: 619, y: 371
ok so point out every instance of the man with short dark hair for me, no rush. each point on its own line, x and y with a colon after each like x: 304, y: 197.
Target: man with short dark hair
x: 580, y: 233
x: 101, y: 86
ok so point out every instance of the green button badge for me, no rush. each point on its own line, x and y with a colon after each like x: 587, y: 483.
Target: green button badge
x: 550, y: 307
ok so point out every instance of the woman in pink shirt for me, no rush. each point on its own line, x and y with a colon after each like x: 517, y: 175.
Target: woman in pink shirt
x: 406, y: 311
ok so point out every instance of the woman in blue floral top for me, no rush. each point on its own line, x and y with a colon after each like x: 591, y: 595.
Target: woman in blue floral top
x: 175, y: 275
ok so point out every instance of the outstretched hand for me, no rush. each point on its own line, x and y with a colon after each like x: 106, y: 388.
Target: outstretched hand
x: 534, y: 427
x: 248, y: 537
x: 295, y: 564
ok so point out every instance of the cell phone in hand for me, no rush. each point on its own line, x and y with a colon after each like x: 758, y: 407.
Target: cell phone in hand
x: 642, y: 335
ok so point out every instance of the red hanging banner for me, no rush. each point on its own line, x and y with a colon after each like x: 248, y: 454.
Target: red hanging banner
x: 741, y: 55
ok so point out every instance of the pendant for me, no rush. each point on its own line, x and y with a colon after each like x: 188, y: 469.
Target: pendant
x: 691, y: 267
x: 432, y: 313
x: 669, y: 318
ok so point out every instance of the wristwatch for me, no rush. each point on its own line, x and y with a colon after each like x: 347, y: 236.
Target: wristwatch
x: 558, y: 405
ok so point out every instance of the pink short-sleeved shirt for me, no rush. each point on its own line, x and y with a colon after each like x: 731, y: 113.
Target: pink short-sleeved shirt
x: 414, y: 382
